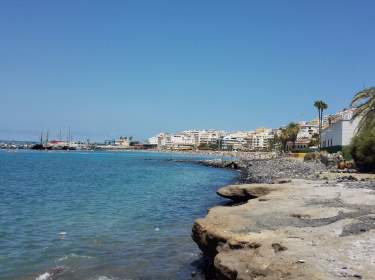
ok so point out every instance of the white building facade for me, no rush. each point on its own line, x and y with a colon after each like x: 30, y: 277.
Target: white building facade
x: 339, y: 133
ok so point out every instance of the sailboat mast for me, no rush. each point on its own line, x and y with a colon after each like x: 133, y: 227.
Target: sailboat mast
x: 69, y: 136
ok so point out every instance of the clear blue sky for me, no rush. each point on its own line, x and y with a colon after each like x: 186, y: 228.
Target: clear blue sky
x: 111, y: 68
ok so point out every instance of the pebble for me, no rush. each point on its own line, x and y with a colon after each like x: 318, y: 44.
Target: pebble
x: 267, y: 171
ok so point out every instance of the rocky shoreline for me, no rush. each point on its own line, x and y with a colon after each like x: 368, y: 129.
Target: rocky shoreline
x: 290, y: 220
x: 270, y: 170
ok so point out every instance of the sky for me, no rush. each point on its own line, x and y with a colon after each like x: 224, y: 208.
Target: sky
x: 135, y: 68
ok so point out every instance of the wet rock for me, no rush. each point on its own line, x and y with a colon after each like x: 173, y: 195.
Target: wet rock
x: 218, y: 163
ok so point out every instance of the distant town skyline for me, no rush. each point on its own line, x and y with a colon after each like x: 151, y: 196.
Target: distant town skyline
x: 136, y: 68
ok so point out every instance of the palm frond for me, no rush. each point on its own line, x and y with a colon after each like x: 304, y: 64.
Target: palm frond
x: 367, y: 118
x: 364, y: 102
x: 361, y: 110
x: 367, y: 93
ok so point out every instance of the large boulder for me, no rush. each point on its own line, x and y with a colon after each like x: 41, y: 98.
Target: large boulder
x: 331, y: 160
x: 244, y: 192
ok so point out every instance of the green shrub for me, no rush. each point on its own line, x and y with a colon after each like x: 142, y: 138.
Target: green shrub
x: 332, y: 149
x: 346, y: 153
x: 363, y: 149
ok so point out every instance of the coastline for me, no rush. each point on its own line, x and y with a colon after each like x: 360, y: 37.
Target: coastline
x: 238, y: 155
x: 279, y: 229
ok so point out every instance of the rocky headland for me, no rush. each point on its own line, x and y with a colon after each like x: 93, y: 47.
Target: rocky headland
x: 291, y: 220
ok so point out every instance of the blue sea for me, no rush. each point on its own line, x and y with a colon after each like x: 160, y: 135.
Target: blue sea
x: 102, y: 215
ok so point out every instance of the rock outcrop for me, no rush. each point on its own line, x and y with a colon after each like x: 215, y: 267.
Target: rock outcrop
x: 244, y: 192
x: 218, y: 163
x: 297, y: 230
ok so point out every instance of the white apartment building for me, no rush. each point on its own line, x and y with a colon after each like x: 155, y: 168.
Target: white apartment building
x: 161, y: 139
x: 345, y: 114
x: 153, y: 140
x: 249, y: 140
x: 194, y: 135
x: 235, y: 141
x: 241, y: 140
x: 211, y: 136
x: 260, y: 140
x: 307, y: 130
x: 187, y: 138
x: 182, y: 139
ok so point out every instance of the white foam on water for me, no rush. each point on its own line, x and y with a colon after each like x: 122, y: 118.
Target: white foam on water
x: 104, y: 278
x: 109, y: 278
x: 44, y: 276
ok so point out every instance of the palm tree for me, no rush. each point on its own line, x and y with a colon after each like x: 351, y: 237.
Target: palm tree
x: 364, y: 101
x: 289, y: 133
x: 293, y: 129
x: 321, y: 106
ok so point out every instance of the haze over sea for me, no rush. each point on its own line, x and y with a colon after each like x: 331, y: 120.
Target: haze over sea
x: 126, y: 215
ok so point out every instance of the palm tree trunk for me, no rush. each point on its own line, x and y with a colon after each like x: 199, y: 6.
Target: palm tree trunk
x: 320, y: 128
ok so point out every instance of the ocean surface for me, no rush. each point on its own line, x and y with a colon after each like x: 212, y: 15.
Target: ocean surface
x: 102, y: 215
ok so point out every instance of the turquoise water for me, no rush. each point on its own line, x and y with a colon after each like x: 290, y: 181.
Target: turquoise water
x: 101, y: 215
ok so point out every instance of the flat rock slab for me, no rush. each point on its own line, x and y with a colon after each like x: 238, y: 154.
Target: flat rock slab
x: 298, y: 230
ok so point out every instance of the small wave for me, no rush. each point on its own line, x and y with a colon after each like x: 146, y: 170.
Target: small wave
x: 72, y: 255
x: 50, y: 275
